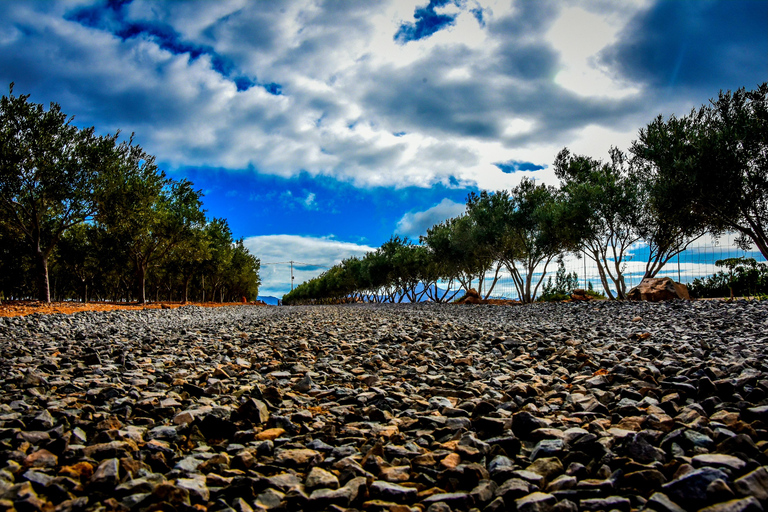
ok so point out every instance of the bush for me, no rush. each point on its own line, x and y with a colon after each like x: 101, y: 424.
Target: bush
x: 743, y: 277
x: 564, y: 285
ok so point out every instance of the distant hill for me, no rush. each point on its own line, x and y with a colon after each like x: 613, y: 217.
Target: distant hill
x: 268, y: 299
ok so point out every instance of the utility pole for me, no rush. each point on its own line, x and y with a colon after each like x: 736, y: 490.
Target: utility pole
x: 291, y: 262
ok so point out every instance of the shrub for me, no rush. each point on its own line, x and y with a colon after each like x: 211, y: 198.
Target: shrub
x: 743, y: 277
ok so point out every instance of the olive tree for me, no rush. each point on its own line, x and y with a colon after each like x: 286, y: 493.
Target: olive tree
x: 712, y: 165
x: 49, y: 176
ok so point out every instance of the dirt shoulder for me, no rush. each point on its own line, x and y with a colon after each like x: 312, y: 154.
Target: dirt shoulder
x: 23, y: 308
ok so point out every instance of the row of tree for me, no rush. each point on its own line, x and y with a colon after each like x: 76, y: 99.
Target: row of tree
x: 96, y: 216
x: 705, y: 172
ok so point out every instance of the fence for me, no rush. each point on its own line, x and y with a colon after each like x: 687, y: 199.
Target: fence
x: 697, y: 261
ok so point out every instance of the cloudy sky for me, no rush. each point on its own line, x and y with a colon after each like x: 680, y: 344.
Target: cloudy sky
x: 321, y: 128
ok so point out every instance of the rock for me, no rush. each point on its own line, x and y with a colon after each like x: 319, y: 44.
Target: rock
x: 547, y: 467
x: 391, y: 492
x: 41, y: 459
x: 580, y: 294
x: 535, y: 502
x: 470, y: 408
x: 107, y: 473
x: 454, y: 500
x: 513, y: 489
x: 718, y: 460
x: 660, y: 502
x: 609, y: 503
x: 658, y: 289
x: 691, y: 488
x: 298, y: 458
x: 254, y: 410
x: 754, y: 483
x: 343, y: 496
x: 749, y: 504
x: 270, y: 499
x: 320, y: 478
x: 471, y: 297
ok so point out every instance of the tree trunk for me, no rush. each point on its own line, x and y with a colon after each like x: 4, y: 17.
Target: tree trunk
x: 186, y: 288
x: 43, y: 285
x: 141, y: 270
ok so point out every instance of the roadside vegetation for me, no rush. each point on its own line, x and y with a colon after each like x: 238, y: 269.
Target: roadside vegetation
x: 704, y: 172
x: 86, y: 217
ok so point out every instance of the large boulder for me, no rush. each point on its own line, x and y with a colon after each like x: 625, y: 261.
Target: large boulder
x: 472, y: 297
x: 580, y: 294
x: 656, y: 289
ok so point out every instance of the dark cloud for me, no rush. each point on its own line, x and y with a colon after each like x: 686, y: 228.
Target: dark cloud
x: 527, y: 61
x: 427, y: 22
x: 423, y: 98
x: 529, y: 19
x: 513, y: 166
x: 695, y: 44
x: 111, y: 17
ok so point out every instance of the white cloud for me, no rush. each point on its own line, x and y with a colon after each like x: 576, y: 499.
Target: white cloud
x: 579, y: 35
x: 526, y: 83
x: 311, y: 256
x: 414, y: 224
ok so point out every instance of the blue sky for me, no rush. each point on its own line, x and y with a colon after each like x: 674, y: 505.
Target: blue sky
x: 321, y: 128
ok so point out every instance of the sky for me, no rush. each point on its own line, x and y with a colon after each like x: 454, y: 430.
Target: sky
x: 319, y: 129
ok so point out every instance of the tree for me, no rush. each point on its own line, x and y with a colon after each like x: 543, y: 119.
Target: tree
x: 713, y: 164
x: 456, y: 252
x: 77, y: 253
x: 243, y: 276
x: 607, y: 199
x: 187, y: 258
x: 220, y: 254
x: 521, y: 229
x: 49, y: 171
x: 147, y: 214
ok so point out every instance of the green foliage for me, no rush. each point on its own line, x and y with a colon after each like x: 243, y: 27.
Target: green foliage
x: 49, y: 172
x: 563, y: 286
x: 105, y: 220
x: 743, y: 277
x: 711, y: 166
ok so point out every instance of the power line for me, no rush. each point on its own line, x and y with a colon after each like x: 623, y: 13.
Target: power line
x: 292, y: 263
x: 296, y: 263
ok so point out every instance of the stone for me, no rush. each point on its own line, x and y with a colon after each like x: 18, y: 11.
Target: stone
x: 320, y: 478
x: 536, y: 502
x: 750, y: 504
x: 513, y: 489
x: 754, y: 483
x: 718, y: 460
x: 609, y: 503
x: 298, y: 458
x: 41, y: 459
x: 658, y: 289
x: 391, y: 492
x: 270, y: 498
x: 197, y: 488
x: 395, y: 474
x: 454, y: 500
x: 548, y: 467
x: 471, y: 297
x: 343, y: 496
x: 254, y: 410
x: 107, y: 473
x: 660, y: 502
x: 692, y: 487
x: 468, y: 408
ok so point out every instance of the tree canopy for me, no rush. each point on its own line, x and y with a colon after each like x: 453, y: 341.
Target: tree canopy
x: 106, y: 217
x: 712, y: 164
x: 683, y: 177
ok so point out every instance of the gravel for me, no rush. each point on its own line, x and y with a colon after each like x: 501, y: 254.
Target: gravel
x: 548, y: 407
